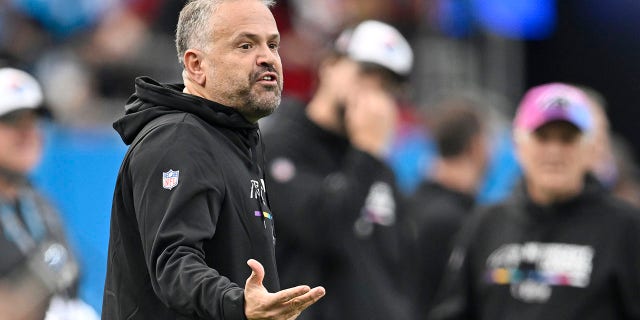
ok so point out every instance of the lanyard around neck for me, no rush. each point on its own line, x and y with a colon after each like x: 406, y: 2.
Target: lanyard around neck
x: 24, y: 238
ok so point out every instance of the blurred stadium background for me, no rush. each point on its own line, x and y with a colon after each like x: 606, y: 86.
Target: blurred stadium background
x: 86, y: 53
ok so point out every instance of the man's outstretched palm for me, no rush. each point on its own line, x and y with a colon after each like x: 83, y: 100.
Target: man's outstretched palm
x: 286, y: 304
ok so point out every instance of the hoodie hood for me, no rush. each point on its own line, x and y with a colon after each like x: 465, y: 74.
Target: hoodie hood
x: 152, y: 99
x: 592, y: 190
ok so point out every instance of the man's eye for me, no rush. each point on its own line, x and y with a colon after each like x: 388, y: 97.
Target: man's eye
x: 245, y: 46
x: 274, y: 46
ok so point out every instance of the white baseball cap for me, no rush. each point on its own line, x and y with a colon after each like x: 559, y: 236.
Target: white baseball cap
x: 19, y: 90
x: 379, y: 43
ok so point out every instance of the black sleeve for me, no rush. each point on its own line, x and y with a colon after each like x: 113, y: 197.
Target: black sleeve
x: 318, y: 210
x: 455, y: 296
x: 431, y: 250
x: 174, y: 223
x: 629, y: 266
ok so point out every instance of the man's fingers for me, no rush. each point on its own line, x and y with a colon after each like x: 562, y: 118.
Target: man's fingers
x: 290, y: 293
x: 316, y: 293
x: 302, y: 302
x: 288, y: 302
x: 257, y: 273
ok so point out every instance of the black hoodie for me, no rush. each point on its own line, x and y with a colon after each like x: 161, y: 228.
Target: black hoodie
x: 578, y: 259
x: 338, y: 207
x: 189, y: 210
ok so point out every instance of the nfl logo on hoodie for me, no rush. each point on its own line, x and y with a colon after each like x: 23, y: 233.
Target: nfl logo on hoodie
x: 170, y: 179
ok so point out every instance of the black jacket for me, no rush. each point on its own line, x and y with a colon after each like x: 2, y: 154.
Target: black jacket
x: 30, y: 231
x: 338, y: 211
x: 189, y: 210
x: 434, y: 214
x: 579, y: 259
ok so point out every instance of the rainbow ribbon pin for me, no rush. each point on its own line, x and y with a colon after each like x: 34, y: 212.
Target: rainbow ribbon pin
x: 263, y: 214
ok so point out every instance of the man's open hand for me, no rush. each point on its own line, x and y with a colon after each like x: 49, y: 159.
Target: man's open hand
x: 286, y: 304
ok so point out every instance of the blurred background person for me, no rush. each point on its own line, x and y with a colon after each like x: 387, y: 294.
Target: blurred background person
x: 437, y: 209
x: 612, y: 161
x: 37, y: 262
x: 561, y: 247
x: 84, y: 52
x: 334, y: 197
x: 627, y: 186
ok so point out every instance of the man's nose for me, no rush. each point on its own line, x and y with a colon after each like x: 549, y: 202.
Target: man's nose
x: 555, y: 146
x: 267, y: 56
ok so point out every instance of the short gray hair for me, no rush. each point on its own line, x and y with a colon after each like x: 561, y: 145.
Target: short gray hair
x: 193, y: 30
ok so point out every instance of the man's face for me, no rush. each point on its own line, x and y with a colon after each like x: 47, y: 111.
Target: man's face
x: 555, y: 158
x: 20, y: 141
x: 242, y: 66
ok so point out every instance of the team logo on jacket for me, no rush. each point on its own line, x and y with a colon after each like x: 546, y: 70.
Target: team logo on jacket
x: 532, y: 269
x: 257, y: 190
x: 170, y: 179
x: 379, y: 208
x: 283, y: 170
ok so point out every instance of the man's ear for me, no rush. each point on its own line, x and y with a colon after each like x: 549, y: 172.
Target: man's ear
x: 519, y: 138
x: 194, y: 65
x: 479, y: 149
